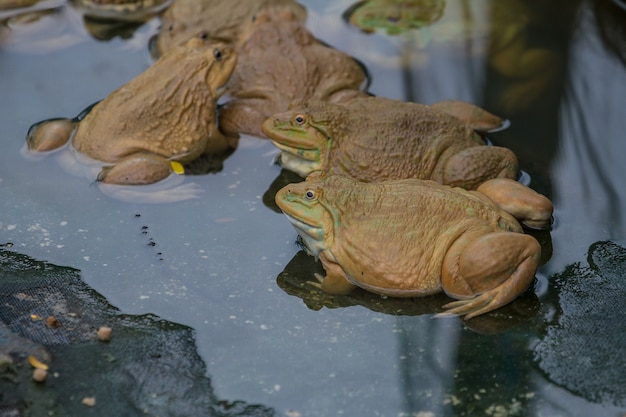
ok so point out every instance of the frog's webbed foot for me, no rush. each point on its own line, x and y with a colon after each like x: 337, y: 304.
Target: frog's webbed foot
x: 335, y: 282
x: 473, y: 166
x: 485, y: 272
x: 319, y: 279
x: 476, y: 306
x: 49, y: 134
x: 475, y: 117
x: 138, y: 169
x: 532, y: 209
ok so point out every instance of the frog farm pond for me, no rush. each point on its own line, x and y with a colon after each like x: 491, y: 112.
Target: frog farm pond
x: 249, y: 195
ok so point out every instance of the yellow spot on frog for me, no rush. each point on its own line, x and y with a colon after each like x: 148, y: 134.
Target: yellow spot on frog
x: 35, y: 363
x: 177, y: 167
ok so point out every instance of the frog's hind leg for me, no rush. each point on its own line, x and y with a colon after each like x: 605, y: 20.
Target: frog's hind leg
x: 532, y: 209
x: 50, y: 134
x: 473, y: 166
x: 475, y: 117
x: 488, y: 271
x: 137, y: 169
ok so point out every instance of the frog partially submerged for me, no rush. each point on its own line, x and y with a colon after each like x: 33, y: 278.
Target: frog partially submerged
x: 126, y: 10
x: 164, y: 117
x: 411, y: 238
x: 279, y: 61
x: 394, y: 16
x: 376, y: 138
x: 213, y: 18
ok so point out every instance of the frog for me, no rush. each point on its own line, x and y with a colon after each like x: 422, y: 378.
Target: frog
x: 212, y: 18
x: 379, y: 138
x: 414, y: 238
x: 394, y: 16
x: 153, y: 125
x: 280, y: 60
x: 501, y: 31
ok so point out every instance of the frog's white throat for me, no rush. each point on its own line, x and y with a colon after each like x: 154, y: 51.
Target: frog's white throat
x: 312, y: 236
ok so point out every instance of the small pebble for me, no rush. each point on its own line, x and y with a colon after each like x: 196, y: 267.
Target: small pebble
x: 40, y: 375
x: 104, y: 333
x: 52, y: 322
x: 89, y: 401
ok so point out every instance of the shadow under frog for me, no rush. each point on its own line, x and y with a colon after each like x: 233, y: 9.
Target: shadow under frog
x: 295, y: 277
x: 150, y: 364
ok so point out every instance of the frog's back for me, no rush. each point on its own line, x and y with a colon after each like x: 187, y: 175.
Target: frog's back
x: 165, y: 110
x: 414, y: 138
x: 392, y: 237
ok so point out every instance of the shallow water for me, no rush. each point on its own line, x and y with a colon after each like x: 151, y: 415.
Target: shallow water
x: 212, y: 262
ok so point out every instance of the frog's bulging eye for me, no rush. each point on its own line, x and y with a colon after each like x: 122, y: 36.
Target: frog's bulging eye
x: 309, y: 195
x: 299, y: 119
x: 217, y: 54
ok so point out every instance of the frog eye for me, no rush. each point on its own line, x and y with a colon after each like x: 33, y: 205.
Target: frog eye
x: 309, y: 195
x: 300, y: 119
x: 217, y: 54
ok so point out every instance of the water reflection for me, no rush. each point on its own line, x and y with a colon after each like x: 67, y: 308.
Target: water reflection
x: 150, y: 366
x: 53, y: 25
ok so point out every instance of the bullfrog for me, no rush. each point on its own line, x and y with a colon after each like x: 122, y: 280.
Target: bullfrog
x: 412, y: 238
x: 161, y: 119
x: 500, y: 30
x: 279, y: 61
x: 377, y: 138
x: 212, y: 18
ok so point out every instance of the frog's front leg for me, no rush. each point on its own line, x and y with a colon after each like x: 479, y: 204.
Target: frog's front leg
x: 532, y: 209
x: 488, y: 271
x: 335, y: 282
x: 245, y: 116
x: 475, y: 117
x: 137, y: 169
x: 473, y: 166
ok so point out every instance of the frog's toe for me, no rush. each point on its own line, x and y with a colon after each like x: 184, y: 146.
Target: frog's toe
x: 470, y: 308
x: 49, y: 134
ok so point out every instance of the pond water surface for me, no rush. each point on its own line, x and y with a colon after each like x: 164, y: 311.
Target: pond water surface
x: 217, y: 262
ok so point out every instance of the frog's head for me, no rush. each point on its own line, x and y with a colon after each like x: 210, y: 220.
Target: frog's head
x: 219, y: 58
x: 309, y: 212
x: 305, y: 135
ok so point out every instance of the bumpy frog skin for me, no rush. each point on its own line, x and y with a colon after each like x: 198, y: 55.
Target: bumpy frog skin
x: 165, y: 114
x: 410, y: 238
x: 280, y: 61
x: 375, y: 138
x: 213, y: 18
x: 394, y: 16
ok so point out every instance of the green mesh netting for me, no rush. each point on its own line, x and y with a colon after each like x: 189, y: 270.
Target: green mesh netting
x: 150, y: 366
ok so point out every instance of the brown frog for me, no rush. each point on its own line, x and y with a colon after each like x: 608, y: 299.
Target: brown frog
x: 411, y: 238
x: 376, y: 138
x: 162, y: 118
x: 280, y: 61
x: 213, y: 18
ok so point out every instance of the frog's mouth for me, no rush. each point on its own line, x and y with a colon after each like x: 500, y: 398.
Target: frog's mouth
x: 312, y: 236
x: 299, y: 160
